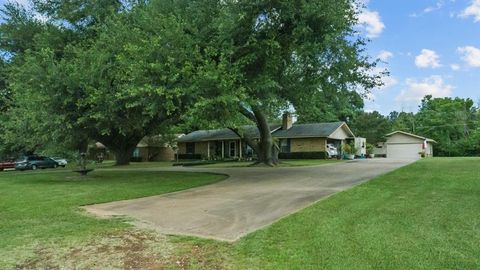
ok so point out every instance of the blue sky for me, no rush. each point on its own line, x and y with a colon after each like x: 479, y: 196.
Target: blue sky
x: 430, y: 46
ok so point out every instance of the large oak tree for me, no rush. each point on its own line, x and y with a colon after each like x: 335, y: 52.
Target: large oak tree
x: 122, y: 74
x: 263, y: 57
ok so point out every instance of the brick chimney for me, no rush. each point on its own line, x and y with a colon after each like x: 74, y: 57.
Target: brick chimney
x: 287, y: 121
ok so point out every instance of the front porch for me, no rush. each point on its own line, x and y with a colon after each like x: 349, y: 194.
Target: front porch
x: 217, y: 150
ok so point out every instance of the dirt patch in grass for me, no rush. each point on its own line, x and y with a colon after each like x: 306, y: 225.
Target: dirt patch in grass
x: 132, y: 249
x: 127, y: 249
x: 199, y: 256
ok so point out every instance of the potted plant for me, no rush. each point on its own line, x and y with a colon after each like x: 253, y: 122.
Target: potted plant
x: 350, y: 151
x: 370, y: 148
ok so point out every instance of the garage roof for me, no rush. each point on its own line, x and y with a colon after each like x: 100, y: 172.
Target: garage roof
x: 411, y: 135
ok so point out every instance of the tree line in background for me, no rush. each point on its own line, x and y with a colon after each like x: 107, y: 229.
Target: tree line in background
x: 76, y: 72
x: 454, y: 123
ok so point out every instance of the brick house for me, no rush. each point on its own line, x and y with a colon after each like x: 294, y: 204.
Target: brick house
x: 153, y: 148
x: 150, y: 148
x: 292, y: 138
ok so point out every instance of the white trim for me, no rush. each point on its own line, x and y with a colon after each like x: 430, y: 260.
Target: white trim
x: 240, y: 148
x: 223, y: 149
x: 342, y: 125
x: 208, y: 150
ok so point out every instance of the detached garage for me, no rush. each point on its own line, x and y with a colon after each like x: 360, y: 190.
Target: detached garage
x: 404, y: 145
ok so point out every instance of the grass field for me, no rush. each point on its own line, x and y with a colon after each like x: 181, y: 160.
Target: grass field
x: 43, y: 207
x: 423, y: 216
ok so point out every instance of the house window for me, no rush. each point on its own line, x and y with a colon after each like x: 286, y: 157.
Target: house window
x: 285, y: 146
x: 190, y: 148
x: 233, y: 149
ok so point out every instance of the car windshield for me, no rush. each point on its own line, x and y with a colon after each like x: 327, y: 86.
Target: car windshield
x: 22, y: 159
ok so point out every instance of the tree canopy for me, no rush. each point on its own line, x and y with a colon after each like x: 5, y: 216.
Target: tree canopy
x: 372, y: 126
x: 264, y: 57
x: 116, y: 71
x: 122, y: 77
x: 452, y: 122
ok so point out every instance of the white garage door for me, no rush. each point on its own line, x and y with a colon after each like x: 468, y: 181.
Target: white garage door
x: 409, y: 151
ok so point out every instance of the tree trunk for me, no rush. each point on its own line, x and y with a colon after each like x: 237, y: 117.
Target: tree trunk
x: 122, y: 146
x: 82, y: 146
x: 267, y: 151
x: 123, y: 155
x: 275, y: 152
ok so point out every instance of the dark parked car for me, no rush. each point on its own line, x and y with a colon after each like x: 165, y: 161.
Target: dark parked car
x: 35, y: 162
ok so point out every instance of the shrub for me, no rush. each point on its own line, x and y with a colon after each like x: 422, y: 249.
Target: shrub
x: 303, y: 155
x: 350, y: 148
x: 370, y: 148
x: 136, y: 159
x: 190, y: 156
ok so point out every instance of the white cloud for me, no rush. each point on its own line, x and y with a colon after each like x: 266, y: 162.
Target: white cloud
x: 473, y: 10
x: 470, y: 55
x: 417, y: 90
x: 385, y: 55
x: 428, y: 59
x: 388, y: 81
x: 437, y: 6
x: 455, y: 67
x: 371, y: 22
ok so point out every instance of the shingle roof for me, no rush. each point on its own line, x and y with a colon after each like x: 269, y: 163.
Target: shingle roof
x: 411, y: 135
x: 222, y: 134
x: 321, y: 130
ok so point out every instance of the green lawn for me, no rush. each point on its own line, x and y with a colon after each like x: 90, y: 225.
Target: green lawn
x: 43, y: 206
x: 424, y: 216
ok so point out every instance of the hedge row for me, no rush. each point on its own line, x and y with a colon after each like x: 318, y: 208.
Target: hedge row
x: 303, y: 155
x: 136, y: 159
x: 190, y: 156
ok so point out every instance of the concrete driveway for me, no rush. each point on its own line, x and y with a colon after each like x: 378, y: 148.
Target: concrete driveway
x: 248, y: 200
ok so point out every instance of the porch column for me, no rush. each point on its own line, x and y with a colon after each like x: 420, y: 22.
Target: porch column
x: 223, y: 149
x: 240, y: 149
x: 208, y: 150
x: 326, y: 149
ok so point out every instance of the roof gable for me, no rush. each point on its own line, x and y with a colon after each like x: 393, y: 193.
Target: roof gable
x: 410, y: 135
x: 314, y: 130
x: 321, y: 130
